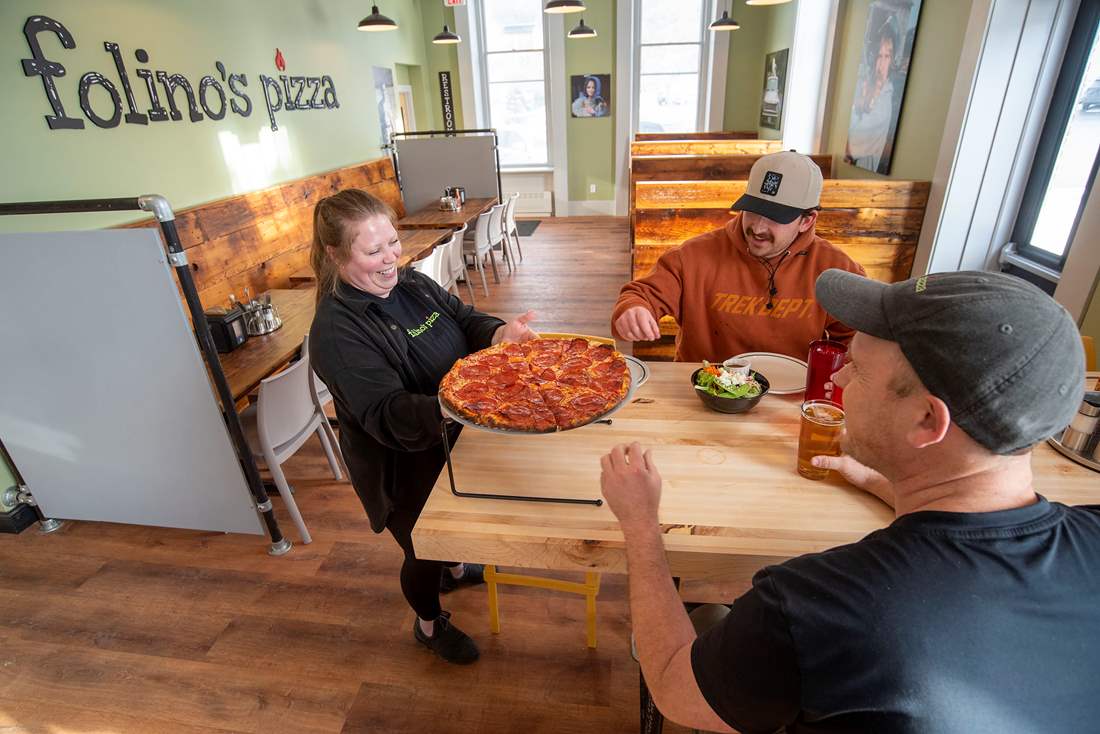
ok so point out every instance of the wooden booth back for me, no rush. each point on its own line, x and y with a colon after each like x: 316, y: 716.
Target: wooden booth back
x: 877, y: 222
x: 717, y: 135
x: 704, y: 147
x: 257, y: 240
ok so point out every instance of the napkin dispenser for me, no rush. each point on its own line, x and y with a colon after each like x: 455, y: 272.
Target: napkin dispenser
x: 227, y: 327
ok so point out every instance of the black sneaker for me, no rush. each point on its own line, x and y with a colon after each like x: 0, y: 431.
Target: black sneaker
x: 472, y: 574
x: 447, y: 641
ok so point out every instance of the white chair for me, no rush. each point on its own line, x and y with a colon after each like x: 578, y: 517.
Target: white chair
x: 286, y: 414
x: 432, y: 266
x: 510, y: 229
x: 319, y: 390
x: 496, y: 234
x: 479, y: 248
x: 458, y: 262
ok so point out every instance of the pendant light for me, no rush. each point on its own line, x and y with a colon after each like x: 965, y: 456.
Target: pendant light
x: 377, y: 22
x: 582, y: 31
x: 564, y: 6
x: 446, y: 36
x: 725, y: 23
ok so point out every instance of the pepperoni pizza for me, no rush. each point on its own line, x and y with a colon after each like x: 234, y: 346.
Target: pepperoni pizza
x: 540, y: 386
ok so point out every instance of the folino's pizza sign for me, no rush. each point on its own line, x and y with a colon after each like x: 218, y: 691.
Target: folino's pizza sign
x: 143, y: 101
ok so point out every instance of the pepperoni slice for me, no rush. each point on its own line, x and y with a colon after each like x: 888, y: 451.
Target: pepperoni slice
x: 576, y: 379
x: 496, y: 358
x: 544, y: 359
x: 482, y: 406
x: 473, y: 371
x: 601, y: 352
x: 610, y: 368
x: 574, y: 364
x: 577, y: 345
x: 472, y: 391
x: 517, y: 410
x: 612, y: 385
x: 514, y: 350
x: 587, y: 401
x: 552, y: 395
x: 504, y: 378
x: 513, y: 390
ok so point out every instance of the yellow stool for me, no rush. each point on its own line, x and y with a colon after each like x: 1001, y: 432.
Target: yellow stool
x: 591, y: 585
x: 588, y: 589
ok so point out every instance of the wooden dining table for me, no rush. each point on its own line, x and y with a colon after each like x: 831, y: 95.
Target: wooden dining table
x: 416, y: 244
x: 432, y: 217
x: 731, y: 501
x: 261, y: 356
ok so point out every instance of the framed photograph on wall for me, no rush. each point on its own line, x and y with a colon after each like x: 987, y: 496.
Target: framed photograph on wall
x: 591, y: 95
x: 775, y: 89
x: 880, y: 83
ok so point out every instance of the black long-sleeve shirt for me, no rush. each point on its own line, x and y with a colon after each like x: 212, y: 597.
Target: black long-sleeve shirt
x: 384, y: 371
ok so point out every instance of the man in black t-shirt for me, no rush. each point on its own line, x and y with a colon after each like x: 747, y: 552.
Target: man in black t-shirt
x: 976, y: 610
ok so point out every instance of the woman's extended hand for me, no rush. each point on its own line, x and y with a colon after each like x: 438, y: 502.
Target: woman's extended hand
x: 516, y: 330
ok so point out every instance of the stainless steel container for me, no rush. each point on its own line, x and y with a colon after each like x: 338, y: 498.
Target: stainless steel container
x: 1082, y: 436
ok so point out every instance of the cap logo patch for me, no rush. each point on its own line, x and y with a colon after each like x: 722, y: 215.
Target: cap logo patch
x: 922, y: 283
x: 770, y: 185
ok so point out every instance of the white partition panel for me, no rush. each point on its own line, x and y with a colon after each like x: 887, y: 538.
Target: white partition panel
x: 427, y: 165
x: 105, y: 403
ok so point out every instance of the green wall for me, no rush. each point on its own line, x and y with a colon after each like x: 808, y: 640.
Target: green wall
x: 1090, y: 324
x: 191, y: 163
x: 440, y: 58
x: 764, y: 29
x: 590, y: 142
x: 936, y: 52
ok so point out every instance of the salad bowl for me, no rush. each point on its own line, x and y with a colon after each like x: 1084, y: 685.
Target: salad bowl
x: 714, y: 398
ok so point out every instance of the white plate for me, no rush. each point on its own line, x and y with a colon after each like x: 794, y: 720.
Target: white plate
x: 639, y: 370
x: 786, y: 375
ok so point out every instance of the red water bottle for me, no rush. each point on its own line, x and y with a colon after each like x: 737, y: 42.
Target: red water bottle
x: 825, y: 358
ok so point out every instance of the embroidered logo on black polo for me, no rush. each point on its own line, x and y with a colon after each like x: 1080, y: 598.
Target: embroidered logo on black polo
x: 770, y: 186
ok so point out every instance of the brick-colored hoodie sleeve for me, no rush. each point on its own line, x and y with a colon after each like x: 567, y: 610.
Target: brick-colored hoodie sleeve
x: 660, y: 291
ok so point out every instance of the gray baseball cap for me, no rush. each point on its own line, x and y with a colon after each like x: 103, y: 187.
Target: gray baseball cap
x: 1004, y: 356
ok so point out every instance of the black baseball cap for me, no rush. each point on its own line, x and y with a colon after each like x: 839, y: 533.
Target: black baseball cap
x: 1004, y: 356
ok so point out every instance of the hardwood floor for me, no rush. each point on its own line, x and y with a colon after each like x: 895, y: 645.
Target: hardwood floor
x: 121, y: 628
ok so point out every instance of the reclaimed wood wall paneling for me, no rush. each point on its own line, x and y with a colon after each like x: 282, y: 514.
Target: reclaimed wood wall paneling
x: 258, y: 239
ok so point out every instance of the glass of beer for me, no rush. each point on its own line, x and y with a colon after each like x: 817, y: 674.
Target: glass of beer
x: 822, y: 422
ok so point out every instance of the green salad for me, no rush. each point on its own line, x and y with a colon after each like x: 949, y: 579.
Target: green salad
x: 721, y: 382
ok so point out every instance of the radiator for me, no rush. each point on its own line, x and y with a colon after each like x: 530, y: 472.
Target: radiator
x: 534, y: 203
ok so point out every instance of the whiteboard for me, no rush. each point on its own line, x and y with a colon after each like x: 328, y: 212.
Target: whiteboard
x: 105, y: 404
x: 429, y: 165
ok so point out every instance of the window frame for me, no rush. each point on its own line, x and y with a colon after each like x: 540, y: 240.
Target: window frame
x: 482, y: 65
x: 1059, y: 113
x: 705, y: 52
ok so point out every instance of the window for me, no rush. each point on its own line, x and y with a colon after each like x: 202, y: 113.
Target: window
x: 670, y: 65
x: 514, y: 72
x: 1066, y: 159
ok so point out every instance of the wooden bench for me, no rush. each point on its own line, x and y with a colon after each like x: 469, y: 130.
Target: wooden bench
x: 259, y: 239
x: 717, y: 135
x: 877, y: 222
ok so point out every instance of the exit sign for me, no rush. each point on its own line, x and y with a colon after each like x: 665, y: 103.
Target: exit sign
x: 449, y: 3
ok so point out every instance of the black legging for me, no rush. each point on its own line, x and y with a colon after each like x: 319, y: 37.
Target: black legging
x: 419, y: 579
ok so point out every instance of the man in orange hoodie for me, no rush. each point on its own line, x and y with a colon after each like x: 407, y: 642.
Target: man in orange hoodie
x: 749, y: 286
